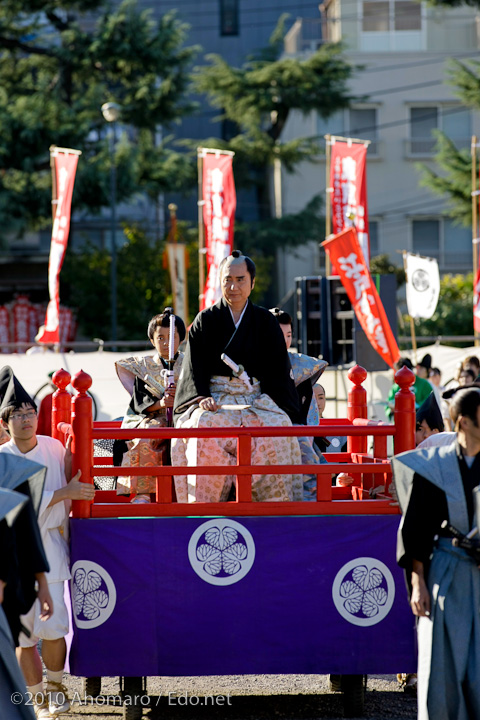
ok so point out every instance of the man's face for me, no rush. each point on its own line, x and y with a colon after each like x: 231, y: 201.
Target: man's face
x: 22, y: 424
x: 236, y: 284
x: 287, y: 334
x: 423, y: 430
x: 160, y: 341
x: 435, y: 379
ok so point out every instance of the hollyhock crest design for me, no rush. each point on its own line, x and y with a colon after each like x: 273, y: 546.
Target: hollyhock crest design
x: 221, y: 551
x: 363, y: 591
x: 93, y: 594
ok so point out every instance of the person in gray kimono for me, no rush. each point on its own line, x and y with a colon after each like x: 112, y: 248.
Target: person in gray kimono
x: 435, y: 485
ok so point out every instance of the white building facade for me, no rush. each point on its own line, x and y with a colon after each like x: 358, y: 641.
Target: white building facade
x: 404, y: 48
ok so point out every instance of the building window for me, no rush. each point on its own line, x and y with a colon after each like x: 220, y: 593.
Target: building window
x: 375, y: 16
x: 426, y: 238
x: 229, y: 24
x: 440, y: 238
x: 422, y: 121
x: 360, y: 123
x: 453, y: 120
x: 391, y: 15
x: 457, y: 245
x: 373, y: 232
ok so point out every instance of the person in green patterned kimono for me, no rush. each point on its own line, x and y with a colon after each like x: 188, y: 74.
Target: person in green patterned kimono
x: 150, y: 401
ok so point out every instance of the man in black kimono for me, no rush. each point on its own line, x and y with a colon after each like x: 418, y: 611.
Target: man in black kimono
x: 211, y: 394
x: 434, y: 485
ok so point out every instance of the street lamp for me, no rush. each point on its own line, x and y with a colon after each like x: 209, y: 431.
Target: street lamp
x: 111, y: 113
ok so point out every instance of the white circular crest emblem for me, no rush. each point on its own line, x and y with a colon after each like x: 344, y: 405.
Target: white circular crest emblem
x: 363, y: 591
x: 93, y: 594
x: 221, y: 551
x: 420, y: 280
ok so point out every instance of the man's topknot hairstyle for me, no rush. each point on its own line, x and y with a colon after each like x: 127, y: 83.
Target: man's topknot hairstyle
x: 252, y: 270
x: 163, y: 320
x: 283, y: 317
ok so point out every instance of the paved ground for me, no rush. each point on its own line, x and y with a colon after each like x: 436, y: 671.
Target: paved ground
x: 264, y: 697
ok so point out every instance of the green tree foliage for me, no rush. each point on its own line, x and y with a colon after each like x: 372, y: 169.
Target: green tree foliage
x: 455, y: 165
x: 259, y: 98
x: 454, y: 313
x: 85, y: 285
x: 58, y: 65
x: 382, y: 265
x: 142, y: 268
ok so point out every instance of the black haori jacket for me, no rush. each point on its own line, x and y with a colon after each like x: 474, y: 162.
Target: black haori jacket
x: 258, y: 344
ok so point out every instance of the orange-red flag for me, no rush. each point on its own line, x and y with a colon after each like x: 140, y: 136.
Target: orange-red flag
x: 345, y: 253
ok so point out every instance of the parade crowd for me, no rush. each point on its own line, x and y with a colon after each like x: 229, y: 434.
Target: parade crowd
x: 237, y: 369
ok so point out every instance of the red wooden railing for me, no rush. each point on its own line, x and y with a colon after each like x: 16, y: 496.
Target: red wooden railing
x: 74, y: 416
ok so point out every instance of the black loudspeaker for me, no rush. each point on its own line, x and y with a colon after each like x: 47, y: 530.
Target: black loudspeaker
x: 325, y: 324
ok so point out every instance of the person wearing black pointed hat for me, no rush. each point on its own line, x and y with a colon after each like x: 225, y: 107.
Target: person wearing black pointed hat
x: 428, y: 419
x: 434, y: 485
x: 424, y: 366
x: 13, y: 511
x: 19, y: 416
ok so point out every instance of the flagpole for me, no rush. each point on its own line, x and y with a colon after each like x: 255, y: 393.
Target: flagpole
x: 412, y: 324
x: 474, y: 221
x: 328, y: 208
x: 201, y: 238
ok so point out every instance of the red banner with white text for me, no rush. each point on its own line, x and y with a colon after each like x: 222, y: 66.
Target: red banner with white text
x: 65, y: 168
x: 219, y: 206
x: 345, y: 253
x: 348, y: 182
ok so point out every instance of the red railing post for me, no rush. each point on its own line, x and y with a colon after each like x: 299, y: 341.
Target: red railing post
x: 82, y: 445
x: 357, y: 407
x: 404, y: 413
x: 244, y: 457
x: 61, y: 405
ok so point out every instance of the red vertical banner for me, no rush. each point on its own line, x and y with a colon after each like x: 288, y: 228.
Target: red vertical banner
x: 65, y: 168
x: 345, y: 253
x: 219, y: 203
x: 348, y: 181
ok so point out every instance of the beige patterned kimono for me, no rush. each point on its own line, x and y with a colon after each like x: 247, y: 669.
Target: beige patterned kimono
x: 142, y: 452
x: 237, y: 407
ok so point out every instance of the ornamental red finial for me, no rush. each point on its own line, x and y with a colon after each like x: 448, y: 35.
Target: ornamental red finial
x: 357, y: 375
x: 82, y: 382
x: 404, y: 378
x: 61, y: 378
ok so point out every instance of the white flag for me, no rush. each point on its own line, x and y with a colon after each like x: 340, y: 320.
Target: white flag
x: 423, y: 285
